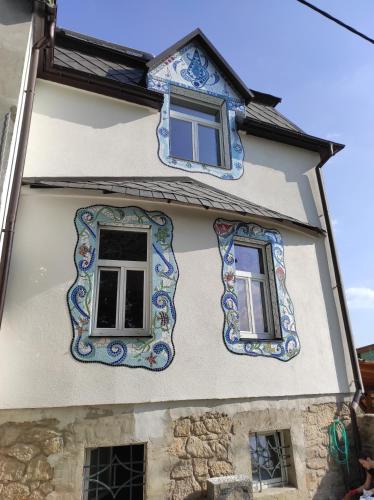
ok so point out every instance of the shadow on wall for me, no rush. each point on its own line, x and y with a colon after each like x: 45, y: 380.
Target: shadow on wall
x: 92, y: 110
x: 337, y: 479
x: 289, y: 162
x: 15, y: 12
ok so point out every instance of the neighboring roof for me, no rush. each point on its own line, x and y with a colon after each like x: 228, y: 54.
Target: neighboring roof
x: 181, y: 190
x: 105, y: 68
x: 199, y: 38
x: 365, y: 348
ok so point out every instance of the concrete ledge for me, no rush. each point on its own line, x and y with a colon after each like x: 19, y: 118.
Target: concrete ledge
x: 238, y: 487
x: 285, y: 493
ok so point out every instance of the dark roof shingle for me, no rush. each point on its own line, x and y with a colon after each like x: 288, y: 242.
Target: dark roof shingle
x: 171, y: 189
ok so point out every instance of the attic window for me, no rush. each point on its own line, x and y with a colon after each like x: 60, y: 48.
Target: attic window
x: 196, y: 132
x: 198, y: 129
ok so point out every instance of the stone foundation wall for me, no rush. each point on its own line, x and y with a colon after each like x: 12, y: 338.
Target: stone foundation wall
x: 202, y: 447
x: 42, y: 452
x: 25, y: 472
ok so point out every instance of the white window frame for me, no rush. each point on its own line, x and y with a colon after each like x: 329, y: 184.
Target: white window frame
x: 193, y: 98
x: 262, y: 278
x: 123, y: 266
x: 269, y: 483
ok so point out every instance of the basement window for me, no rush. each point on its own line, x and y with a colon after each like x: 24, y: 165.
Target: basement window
x: 270, y: 458
x: 116, y: 472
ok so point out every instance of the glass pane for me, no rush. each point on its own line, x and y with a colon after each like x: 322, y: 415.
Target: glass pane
x: 107, y: 302
x: 249, y: 259
x: 123, y: 245
x: 265, y: 458
x: 259, y: 311
x: 244, y: 313
x: 197, y: 110
x: 209, y: 146
x: 134, y: 299
x: 181, y: 139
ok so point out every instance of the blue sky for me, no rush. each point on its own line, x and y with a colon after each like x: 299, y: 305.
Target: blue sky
x: 324, y: 74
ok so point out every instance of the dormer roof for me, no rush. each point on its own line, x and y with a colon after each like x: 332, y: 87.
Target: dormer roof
x: 198, y: 38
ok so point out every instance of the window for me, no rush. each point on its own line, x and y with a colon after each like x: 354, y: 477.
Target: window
x: 256, y: 318
x: 122, y: 277
x: 114, y: 472
x: 197, y: 128
x: 269, y: 459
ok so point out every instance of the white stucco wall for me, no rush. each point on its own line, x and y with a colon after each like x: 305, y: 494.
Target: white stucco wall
x: 38, y: 370
x: 78, y: 133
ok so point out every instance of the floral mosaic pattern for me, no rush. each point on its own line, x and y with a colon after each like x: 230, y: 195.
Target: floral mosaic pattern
x: 190, y: 68
x: 155, y: 352
x: 288, y: 346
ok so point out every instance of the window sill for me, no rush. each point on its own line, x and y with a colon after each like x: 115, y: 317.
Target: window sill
x: 278, y: 493
x: 120, y: 335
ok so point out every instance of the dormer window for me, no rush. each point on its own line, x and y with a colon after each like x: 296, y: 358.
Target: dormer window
x: 198, y: 128
x: 203, y: 102
x: 196, y: 131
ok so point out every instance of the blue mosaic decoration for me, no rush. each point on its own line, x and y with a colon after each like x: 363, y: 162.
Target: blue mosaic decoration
x: 155, y: 352
x: 190, y: 68
x: 284, y: 348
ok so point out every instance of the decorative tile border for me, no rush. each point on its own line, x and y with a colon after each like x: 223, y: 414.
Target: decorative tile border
x: 288, y: 346
x: 155, y: 352
x: 190, y: 68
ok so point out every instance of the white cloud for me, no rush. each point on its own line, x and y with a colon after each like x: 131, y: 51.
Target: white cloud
x: 360, y: 298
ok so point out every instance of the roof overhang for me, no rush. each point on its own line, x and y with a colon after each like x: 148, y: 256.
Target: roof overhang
x: 177, y: 190
x: 325, y: 148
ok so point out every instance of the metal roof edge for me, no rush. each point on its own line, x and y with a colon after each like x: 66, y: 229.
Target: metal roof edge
x: 294, y: 138
x: 53, y: 182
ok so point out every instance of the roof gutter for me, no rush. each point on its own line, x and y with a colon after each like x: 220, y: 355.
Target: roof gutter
x: 10, y: 221
x: 342, y: 300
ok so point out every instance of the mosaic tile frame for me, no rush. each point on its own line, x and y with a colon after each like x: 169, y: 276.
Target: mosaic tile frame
x: 284, y: 348
x: 155, y: 352
x: 190, y: 68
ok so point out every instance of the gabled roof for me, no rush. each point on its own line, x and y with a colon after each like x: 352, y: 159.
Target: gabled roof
x: 109, y: 69
x: 181, y: 190
x: 199, y: 38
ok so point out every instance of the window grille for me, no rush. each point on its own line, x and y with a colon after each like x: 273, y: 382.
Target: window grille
x: 270, y: 459
x: 116, y: 472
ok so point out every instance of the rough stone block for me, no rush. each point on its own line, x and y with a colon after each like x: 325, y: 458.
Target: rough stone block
x: 200, y: 466
x: 23, y: 452
x: 237, y: 487
x: 182, y: 469
x: 198, y: 448
x: 198, y: 428
x: 182, y: 428
x: 184, y: 488
x: 10, y: 469
x: 220, y: 468
x: 53, y: 445
x: 16, y: 491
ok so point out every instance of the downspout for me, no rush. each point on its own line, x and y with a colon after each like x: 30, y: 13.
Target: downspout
x: 15, y: 190
x: 342, y: 300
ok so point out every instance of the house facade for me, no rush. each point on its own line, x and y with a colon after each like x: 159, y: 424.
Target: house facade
x: 173, y: 310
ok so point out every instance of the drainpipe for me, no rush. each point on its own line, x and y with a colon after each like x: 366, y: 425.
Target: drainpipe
x: 15, y: 189
x: 342, y: 300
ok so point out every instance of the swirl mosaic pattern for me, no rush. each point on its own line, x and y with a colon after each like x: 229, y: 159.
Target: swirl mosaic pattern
x: 191, y: 68
x: 155, y: 352
x: 288, y: 346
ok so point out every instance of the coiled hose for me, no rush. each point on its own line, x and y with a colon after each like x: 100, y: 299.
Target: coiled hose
x: 338, y: 443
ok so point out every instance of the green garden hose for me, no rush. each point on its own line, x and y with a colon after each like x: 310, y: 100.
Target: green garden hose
x: 338, y: 443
